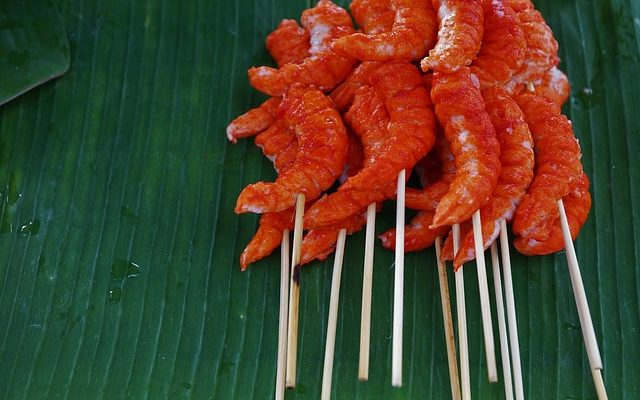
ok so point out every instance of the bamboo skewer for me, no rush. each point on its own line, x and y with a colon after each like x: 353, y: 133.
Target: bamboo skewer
x: 398, y: 286
x: 588, y: 332
x: 485, y: 304
x: 367, y: 282
x: 294, y: 295
x: 448, y: 324
x: 330, y: 345
x: 511, y: 312
x: 284, y: 309
x: 462, y: 321
x: 502, y: 325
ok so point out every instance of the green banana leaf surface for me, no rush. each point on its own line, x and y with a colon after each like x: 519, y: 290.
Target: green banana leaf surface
x: 119, y: 247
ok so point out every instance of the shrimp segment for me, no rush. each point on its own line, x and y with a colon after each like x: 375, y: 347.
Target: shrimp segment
x: 542, y: 48
x: 412, y: 35
x: 268, y: 236
x: 289, y: 43
x: 557, y: 165
x: 417, y: 235
x: 318, y: 244
x: 368, y: 118
x: 324, y: 68
x: 516, y: 173
x: 374, y: 16
x: 322, y: 142
x: 459, y: 35
x: 554, y: 85
x: 253, y: 121
x: 503, y: 45
x: 468, y: 129
x: 279, y: 144
x: 411, y: 128
x: 577, y: 204
x: 344, y: 93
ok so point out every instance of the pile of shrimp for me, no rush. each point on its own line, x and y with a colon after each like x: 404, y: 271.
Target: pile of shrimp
x: 464, y: 94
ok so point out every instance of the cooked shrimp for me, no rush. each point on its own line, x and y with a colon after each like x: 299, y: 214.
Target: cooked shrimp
x: 411, y: 127
x: 412, y: 35
x: 289, y: 43
x: 268, y: 236
x: 466, y: 228
x: 322, y: 143
x: 516, y: 172
x: 369, y: 119
x: 279, y: 144
x: 459, y: 35
x: 373, y: 16
x: 576, y: 204
x: 542, y: 48
x: 503, y: 45
x: 343, y: 94
x: 253, y: 121
x: 319, y: 243
x: 355, y: 157
x: 468, y: 129
x: 324, y: 68
x: 417, y: 235
x: 557, y: 164
x: 554, y: 85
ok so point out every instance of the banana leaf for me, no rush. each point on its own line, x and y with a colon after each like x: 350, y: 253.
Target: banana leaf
x: 119, y: 247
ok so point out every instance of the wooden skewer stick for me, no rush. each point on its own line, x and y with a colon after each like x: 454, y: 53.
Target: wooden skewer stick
x: 511, y: 311
x: 398, y: 287
x: 284, y: 309
x: 367, y: 282
x: 485, y: 304
x: 330, y: 345
x: 462, y: 321
x: 449, y: 336
x: 294, y: 295
x: 502, y: 324
x: 588, y: 332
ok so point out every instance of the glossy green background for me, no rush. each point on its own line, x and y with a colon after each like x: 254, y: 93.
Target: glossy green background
x: 119, y: 247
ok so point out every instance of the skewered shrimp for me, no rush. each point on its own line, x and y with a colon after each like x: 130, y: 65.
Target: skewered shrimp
x: 324, y: 68
x: 417, y: 235
x: 289, y: 43
x: 369, y: 119
x: 374, y: 16
x: 412, y: 35
x: 516, y: 159
x: 253, y: 121
x: 557, y: 165
x: 554, y: 85
x: 319, y: 243
x: 322, y: 143
x: 468, y: 129
x: 411, y: 128
x: 577, y: 204
x: 503, y: 45
x: 459, y: 35
x: 279, y: 144
x: 268, y: 236
x: 343, y: 94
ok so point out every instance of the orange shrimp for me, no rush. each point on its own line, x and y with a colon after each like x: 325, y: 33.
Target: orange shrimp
x: 289, y: 43
x: 279, y: 144
x: 322, y: 143
x: 373, y: 16
x: 343, y: 94
x: 557, y: 165
x: 554, y: 85
x: 324, y: 68
x: 459, y: 35
x: 516, y: 173
x: 411, y: 128
x: 318, y: 244
x: 355, y: 157
x: 577, y: 204
x: 268, y: 236
x: 466, y: 228
x: 417, y: 235
x: 368, y: 118
x: 412, y: 35
x: 503, y: 45
x: 469, y: 131
x: 253, y: 121
x: 542, y: 48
